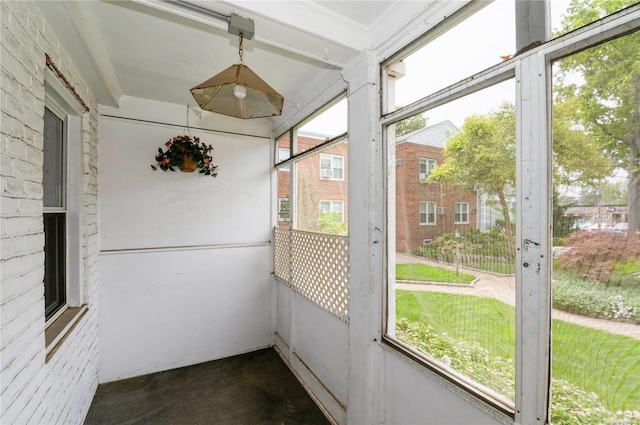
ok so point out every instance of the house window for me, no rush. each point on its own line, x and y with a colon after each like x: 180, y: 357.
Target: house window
x: 427, y: 165
x: 55, y: 213
x: 283, y: 155
x: 461, y: 212
x: 331, y: 166
x: 284, y: 209
x: 62, y: 211
x: 333, y: 207
x: 427, y: 213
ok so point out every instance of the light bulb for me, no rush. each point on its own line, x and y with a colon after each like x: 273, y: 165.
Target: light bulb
x: 239, y: 91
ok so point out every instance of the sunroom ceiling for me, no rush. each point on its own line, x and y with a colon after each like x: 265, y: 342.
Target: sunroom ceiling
x: 157, y: 50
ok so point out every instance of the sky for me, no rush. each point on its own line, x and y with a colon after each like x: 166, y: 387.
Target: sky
x: 473, y: 45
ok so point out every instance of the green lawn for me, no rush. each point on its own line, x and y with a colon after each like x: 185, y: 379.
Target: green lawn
x: 426, y: 273
x: 501, y: 268
x: 590, y: 359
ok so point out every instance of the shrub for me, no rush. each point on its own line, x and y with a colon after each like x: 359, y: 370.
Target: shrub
x: 570, y: 405
x: 595, y: 255
x: 577, y: 295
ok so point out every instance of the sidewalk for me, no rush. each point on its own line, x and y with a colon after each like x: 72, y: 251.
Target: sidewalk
x: 503, y: 288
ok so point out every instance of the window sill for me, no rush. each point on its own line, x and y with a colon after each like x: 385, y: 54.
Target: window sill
x: 486, y: 399
x: 59, y: 328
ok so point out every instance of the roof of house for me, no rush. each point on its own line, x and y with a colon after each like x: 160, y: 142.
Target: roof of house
x: 435, y: 135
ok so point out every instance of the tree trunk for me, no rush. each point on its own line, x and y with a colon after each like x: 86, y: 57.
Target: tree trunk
x: 511, y: 244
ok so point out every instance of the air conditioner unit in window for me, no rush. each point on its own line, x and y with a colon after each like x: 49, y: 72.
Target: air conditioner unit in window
x: 443, y: 210
x: 326, y: 173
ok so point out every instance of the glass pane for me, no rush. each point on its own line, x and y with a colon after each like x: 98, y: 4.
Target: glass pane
x: 53, y: 168
x: 465, y: 49
x: 325, y: 126
x: 596, y: 217
x: 283, y: 148
x: 321, y: 191
x: 568, y: 15
x: 454, y: 238
x: 54, y: 263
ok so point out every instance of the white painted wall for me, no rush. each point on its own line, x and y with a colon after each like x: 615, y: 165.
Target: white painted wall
x: 33, y: 390
x: 185, y: 260
x: 315, y: 344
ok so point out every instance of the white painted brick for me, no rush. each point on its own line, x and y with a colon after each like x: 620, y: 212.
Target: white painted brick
x: 8, y: 206
x: 29, y: 206
x: 33, y: 189
x: 14, y: 226
x: 26, y: 170
x: 22, y: 245
x: 12, y: 186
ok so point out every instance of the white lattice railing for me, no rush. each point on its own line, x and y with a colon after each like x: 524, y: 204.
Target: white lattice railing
x: 315, y: 265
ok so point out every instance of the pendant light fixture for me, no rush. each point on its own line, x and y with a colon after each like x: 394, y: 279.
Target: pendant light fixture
x: 238, y: 92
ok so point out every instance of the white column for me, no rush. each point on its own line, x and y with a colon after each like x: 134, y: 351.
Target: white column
x: 533, y: 239
x: 365, y: 232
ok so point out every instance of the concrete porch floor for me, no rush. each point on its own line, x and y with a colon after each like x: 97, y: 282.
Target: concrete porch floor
x: 254, y: 388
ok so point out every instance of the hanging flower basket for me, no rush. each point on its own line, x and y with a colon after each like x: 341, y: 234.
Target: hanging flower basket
x: 187, y: 155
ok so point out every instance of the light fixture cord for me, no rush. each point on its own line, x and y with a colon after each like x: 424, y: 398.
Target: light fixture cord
x: 240, y: 48
x: 188, y: 126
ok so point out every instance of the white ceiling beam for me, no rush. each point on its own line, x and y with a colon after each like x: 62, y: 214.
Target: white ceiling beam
x: 294, y: 46
x: 92, y: 41
x: 312, y: 18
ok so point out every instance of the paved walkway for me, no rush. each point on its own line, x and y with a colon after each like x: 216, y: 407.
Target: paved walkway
x: 503, y: 288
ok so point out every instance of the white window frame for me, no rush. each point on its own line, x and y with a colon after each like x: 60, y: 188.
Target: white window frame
x: 333, y: 203
x: 461, y: 217
x: 426, y: 166
x: 324, y: 174
x: 62, y: 103
x: 282, y: 156
x: 280, y: 202
x: 532, y: 72
x: 430, y: 208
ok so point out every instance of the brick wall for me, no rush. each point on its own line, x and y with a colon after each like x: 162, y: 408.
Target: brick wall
x: 33, y: 390
x: 410, y: 191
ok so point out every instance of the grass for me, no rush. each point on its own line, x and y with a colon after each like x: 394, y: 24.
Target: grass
x: 426, y: 273
x: 501, y: 268
x: 593, y: 360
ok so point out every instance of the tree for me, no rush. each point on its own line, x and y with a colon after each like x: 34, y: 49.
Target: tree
x: 607, y: 99
x: 483, y: 154
x: 410, y: 124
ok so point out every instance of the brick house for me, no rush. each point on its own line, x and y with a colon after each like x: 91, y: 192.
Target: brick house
x: 425, y: 210
x: 321, y: 182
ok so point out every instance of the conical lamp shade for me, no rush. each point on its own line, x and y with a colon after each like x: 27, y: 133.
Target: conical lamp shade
x: 217, y: 94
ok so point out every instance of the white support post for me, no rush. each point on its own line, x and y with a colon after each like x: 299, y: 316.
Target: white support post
x: 365, y: 232
x: 533, y: 240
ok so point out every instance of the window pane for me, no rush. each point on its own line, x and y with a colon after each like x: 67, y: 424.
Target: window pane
x: 321, y: 191
x: 465, y: 49
x: 568, y: 15
x: 284, y: 181
x: 54, y: 263
x: 325, y: 126
x: 53, y: 171
x: 468, y: 201
x: 596, y: 217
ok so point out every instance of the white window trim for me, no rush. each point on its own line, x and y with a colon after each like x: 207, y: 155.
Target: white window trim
x: 280, y: 201
x: 331, y: 155
x: 532, y: 70
x: 61, y: 102
x: 422, y: 176
x: 466, y: 212
x: 331, y: 203
x: 435, y: 213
